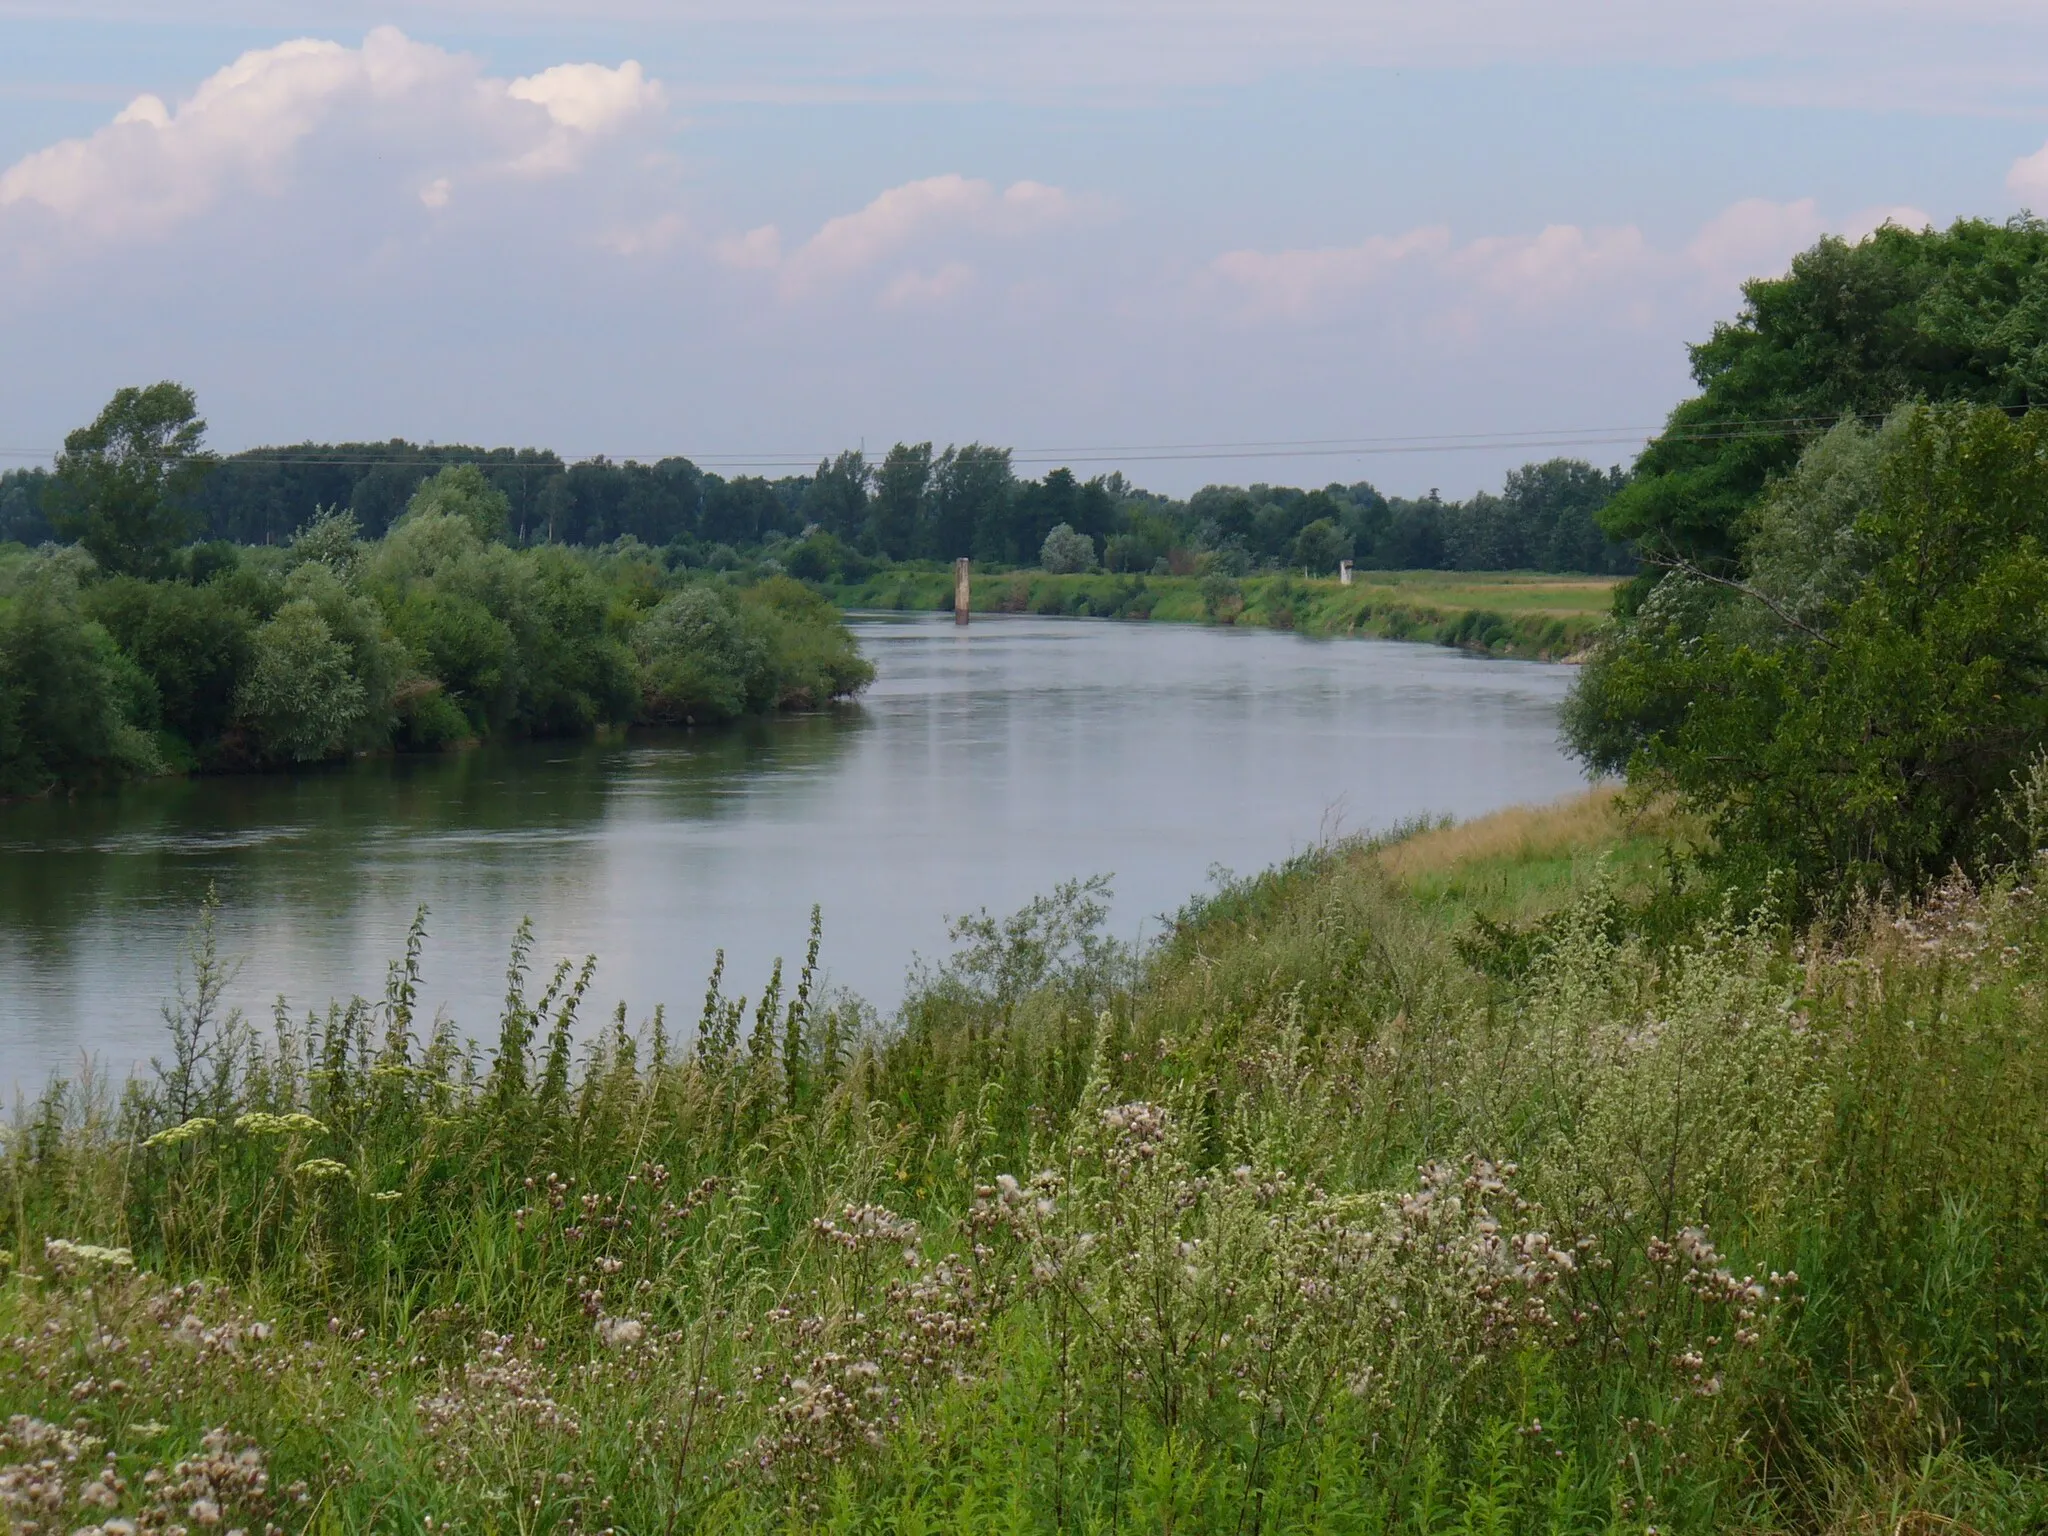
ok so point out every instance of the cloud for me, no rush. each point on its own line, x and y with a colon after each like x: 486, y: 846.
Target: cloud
x: 2028, y: 177
x: 1300, y: 281
x: 919, y: 290
x: 252, y: 127
x: 896, y: 221
x: 1617, y: 267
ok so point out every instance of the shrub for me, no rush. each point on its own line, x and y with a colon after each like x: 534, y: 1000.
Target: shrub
x: 299, y: 700
x: 1065, y: 552
x: 73, y: 707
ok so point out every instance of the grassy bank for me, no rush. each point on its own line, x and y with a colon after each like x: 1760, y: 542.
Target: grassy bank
x: 1335, y: 1213
x: 1506, y: 613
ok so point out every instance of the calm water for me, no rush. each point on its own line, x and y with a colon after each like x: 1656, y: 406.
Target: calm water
x: 981, y: 768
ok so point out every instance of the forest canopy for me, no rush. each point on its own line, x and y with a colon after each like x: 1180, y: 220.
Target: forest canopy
x: 917, y: 503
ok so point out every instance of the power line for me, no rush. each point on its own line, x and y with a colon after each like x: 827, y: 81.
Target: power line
x: 1140, y: 453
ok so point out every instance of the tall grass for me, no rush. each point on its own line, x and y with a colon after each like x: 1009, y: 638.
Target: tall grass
x: 1299, y: 1222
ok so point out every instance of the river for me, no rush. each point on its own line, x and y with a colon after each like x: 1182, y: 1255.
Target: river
x: 984, y: 766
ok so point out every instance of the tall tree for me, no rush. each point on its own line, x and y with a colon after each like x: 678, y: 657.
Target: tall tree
x: 837, y: 498
x: 971, y: 489
x: 1851, y: 330
x: 122, y: 486
x: 897, y: 512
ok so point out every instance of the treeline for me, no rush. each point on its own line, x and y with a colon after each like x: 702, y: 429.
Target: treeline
x: 851, y: 516
x: 130, y: 653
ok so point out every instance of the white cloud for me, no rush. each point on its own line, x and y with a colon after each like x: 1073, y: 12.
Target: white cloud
x: 1617, y: 267
x: 920, y: 290
x: 1543, y: 269
x: 899, y: 220
x: 1299, y: 281
x: 249, y: 127
x: 1754, y: 235
x: 2028, y: 177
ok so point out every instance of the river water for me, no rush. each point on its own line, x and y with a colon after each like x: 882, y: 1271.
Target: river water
x: 983, y: 767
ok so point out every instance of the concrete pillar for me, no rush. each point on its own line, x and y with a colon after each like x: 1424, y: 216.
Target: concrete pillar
x: 961, y: 603
x: 1343, y: 573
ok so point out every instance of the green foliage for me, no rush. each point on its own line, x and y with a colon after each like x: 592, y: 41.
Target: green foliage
x: 917, y: 504
x: 1853, y: 714
x: 192, y: 642
x: 1320, y: 546
x: 74, y: 708
x: 122, y: 485
x: 461, y: 491
x: 1852, y: 330
x: 1295, y: 1223
x: 299, y: 698
x: 1065, y: 552
x: 699, y: 659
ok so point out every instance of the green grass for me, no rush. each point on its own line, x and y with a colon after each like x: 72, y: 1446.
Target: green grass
x: 1446, y: 1185
x: 1506, y: 613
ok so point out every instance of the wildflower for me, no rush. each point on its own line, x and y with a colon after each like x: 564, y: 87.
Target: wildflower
x: 204, y: 1512
x: 620, y: 1332
x: 69, y: 1258
x: 196, y: 1126
x: 321, y: 1168
x: 257, y: 1123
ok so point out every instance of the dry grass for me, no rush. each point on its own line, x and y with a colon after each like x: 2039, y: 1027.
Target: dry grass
x: 1528, y: 860
x: 1521, y: 833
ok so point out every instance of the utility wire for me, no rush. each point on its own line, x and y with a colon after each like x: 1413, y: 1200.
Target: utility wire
x: 1140, y: 453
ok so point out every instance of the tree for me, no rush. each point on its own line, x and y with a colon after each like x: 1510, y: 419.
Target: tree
x: 298, y: 698
x: 1320, y: 546
x: 896, y: 514
x: 970, y: 503
x: 122, y: 485
x: 193, y: 643
x: 1850, y: 330
x: 461, y: 491
x: 837, y: 498
x: 1065, y: 552
x: 73, y: 707
x: 1853, y: 710
x: 699, y: 662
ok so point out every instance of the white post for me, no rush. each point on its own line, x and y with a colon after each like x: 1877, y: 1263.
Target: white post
x: 960, y: 591
x: 1343, y: 573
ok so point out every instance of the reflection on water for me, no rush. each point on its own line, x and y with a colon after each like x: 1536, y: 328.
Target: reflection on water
x: 981, y: 768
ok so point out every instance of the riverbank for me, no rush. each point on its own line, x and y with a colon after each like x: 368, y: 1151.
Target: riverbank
x: 1516, y: 614
x: 1340, y: 1209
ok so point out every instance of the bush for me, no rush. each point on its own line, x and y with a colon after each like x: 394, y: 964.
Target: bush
x: 1320, y: 546
x: 1065, y: 552
x: 1853, y: 726
x: 299, y: 701
x: 193, y: 643
x: 74, y: 709
x: 699, y: 661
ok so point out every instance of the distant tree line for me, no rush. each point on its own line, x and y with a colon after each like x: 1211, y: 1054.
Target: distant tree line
x: 918, y: 503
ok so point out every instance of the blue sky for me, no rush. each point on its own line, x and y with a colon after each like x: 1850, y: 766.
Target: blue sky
x: 1124, y: 232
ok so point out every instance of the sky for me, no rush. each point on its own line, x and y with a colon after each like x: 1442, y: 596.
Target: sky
x: 1415, y: 242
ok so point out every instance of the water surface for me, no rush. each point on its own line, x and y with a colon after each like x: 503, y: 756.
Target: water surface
x: 983, y: 767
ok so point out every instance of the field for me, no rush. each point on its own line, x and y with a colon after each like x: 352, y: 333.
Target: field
x: 1504, y: 613
x: 1475, y: 1181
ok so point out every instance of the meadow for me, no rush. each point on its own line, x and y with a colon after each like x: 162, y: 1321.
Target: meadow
x: 1506, y: 613
x: 1488, y: 1178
